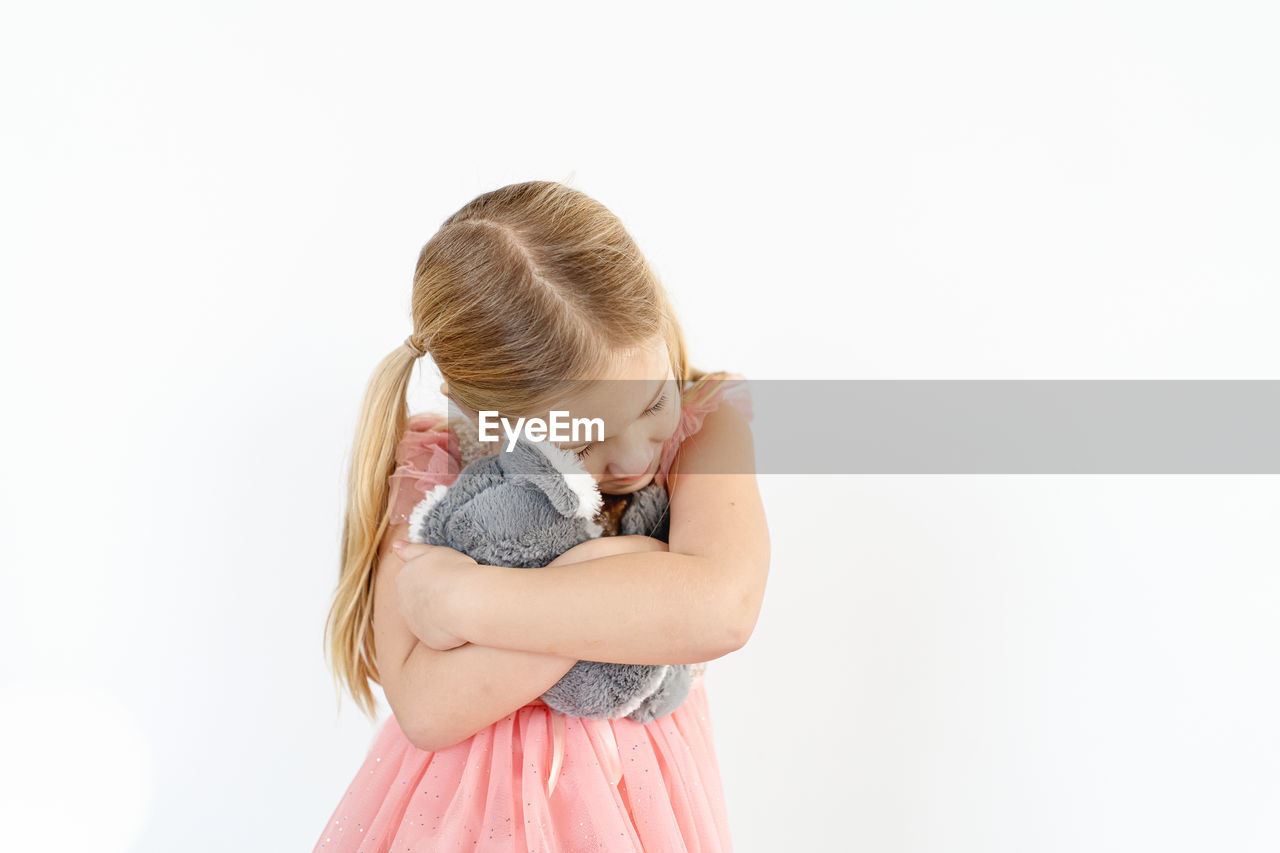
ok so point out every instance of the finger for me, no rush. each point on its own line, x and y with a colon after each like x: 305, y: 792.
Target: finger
x: 409, y: 550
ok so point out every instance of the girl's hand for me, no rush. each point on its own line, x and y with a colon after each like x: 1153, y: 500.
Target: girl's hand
x: 425, y: 585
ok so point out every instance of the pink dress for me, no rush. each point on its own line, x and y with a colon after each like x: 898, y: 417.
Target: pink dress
x: 537, y: 780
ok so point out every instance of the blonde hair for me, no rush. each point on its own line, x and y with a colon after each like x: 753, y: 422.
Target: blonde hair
x: 524, y: 287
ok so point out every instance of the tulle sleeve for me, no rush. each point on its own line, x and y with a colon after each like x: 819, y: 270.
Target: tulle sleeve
x: 426, y: 456
x: 705, y: 396
x: 699, y: 400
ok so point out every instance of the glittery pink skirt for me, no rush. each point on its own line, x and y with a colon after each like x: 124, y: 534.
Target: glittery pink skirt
x: 539, y: 781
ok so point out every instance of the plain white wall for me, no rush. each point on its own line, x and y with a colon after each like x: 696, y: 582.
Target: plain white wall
x: 211, y: 215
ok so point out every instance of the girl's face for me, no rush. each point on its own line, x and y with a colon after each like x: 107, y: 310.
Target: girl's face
x: 639, y: 404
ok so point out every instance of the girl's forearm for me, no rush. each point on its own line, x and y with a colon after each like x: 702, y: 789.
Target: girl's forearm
x: 645, y: 608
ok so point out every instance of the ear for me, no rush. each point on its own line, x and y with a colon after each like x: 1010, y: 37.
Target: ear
x: 557, y: 473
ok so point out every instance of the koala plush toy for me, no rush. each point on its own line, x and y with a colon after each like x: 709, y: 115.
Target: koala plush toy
x: 524, y: 507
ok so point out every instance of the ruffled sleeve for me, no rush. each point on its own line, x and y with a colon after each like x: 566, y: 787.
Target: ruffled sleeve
x: 699, y: 400
x: 427, y: 456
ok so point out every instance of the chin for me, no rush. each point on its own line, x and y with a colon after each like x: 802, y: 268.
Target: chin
x: 627, y: 488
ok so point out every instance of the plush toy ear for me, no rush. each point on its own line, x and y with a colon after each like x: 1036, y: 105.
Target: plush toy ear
x: 556, y: 473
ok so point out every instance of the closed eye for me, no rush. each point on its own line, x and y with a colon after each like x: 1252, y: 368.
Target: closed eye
x: 582, y: 452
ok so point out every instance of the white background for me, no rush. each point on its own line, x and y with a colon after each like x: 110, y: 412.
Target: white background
x: 211, y: 214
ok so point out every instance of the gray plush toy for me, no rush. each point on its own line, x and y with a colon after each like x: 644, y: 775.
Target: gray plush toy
x: 523, y: 508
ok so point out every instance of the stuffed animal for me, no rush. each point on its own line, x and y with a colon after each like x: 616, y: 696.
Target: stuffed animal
x: 525, y: 506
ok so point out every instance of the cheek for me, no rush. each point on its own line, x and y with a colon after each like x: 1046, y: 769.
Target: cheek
x: 595, y: 465
x: 669, y: 422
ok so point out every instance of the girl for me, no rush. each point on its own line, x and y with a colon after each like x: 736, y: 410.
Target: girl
x: 522, y: 288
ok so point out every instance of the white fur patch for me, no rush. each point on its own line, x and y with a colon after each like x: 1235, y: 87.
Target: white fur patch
x: 423, y: 507
x: 580, y: 482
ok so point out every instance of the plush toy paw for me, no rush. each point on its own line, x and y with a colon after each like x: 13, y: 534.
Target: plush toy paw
x: 603, y: 690
x: 670, y: 694
x: 646, y: 514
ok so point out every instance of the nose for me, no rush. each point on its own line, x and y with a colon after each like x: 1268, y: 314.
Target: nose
x: 634, y: 462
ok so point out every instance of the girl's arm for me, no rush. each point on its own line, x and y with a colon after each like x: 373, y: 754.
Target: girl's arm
x: 441, y: 698
x: 694, y: 603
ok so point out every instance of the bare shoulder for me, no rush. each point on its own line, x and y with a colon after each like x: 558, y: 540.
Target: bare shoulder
x: 722, y: 446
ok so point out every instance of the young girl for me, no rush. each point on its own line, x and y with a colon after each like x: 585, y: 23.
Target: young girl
x: 522, y: 288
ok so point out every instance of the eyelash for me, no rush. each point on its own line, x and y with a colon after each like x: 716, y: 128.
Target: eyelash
x: 582, y: 453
